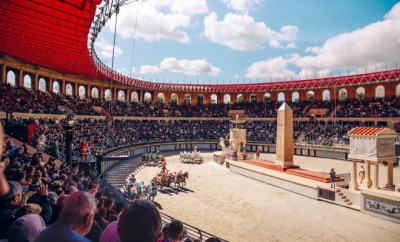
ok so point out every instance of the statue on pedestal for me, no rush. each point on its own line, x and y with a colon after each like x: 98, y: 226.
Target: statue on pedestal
x: 222, y: 144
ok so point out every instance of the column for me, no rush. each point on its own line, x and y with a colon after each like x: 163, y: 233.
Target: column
x: 355, y: 174
x: 20, y: 79
x: 89, y: 91
x: 115, y: 98
x: 369, y: 182
x: 376, y: 178
x: 101, y: 92
x: 76, y: 93
x: 389, y: 184
x: 127, y: 96
x: 141, y: 96
x: 4, y: 73
x: 62, y: 86
x: 36, y: 82
x: 50, y: 86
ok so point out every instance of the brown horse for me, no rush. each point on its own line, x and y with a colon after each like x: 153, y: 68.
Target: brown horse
x: 182, y: 178
x: 163, y: 181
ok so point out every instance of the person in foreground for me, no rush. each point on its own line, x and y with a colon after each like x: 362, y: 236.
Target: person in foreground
x: 140, y: 222
x: 76, y: 220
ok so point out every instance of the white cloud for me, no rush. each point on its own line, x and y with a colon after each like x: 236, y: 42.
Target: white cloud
x: 363, y: 49
x: 374, y: 44
x: 242, y: 32
x: 158, y: 19
x: 190, y: 67
x: 272, y: 68
x: 242, y: 6
x: 105, y: 49
x: 148, y: 69
x: 124, y: 71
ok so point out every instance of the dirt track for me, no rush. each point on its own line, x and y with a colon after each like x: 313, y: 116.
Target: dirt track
x: 237, y: 208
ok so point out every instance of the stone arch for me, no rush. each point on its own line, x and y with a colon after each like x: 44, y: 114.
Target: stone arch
x: 200, y: 99
x: 281, y: 97
x: 56, y: 87
x: 121, y: 96
x: 342, y: 94
x: 398, y: 90
x: 82, y: 92
x: 267, y: 97
x: 27, y: 81
x: 360, y: 93
x: 69, y: 89
x: 380, y: 92
x: 95, y: 92
x: 186, y: 98
x: 326, y: 95
x: 295, y: 96
x: 214, y: 99
x: 134, y: 96
x: 174, y: 98
x: 147, y: 97
x: 253, y: 98
x: 11, y: 78
x: 107, y: 94
x: 239, y: 98
x: 227, y: 99
x: 42, y: 85
x: 161, y: 97
x: 310, y: 95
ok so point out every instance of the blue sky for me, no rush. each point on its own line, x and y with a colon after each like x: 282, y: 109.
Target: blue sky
x: 229, y: 41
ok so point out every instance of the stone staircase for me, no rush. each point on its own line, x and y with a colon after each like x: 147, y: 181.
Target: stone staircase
x: 102, y: 111
x: 344, y: 198
x: 117, y: 174
x: 333, y: 113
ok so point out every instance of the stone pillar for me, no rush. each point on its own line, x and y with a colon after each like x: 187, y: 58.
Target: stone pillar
x: 62, y: 86
x: 101, y: 92
x: 369, y: 182
x: 284, y: 137
x: 36, y: 82
x: 4, y: 73
x: 141, y: 99
x: 75, y: 91
x: 376, y: 178
x: 355, y: 174
x: 89, y: 91
x: 20, y: 79
x: 115, y: 97
x: 127, y: 95
x: 50, y: 86
x: 389, y: 184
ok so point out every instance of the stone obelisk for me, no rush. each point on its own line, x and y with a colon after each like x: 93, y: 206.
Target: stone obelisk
x: 284, y: 137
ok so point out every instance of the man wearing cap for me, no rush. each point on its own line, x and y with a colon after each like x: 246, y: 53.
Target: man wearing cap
x: 8, y: 205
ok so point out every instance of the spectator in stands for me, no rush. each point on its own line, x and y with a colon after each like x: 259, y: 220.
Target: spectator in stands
x: 213, y: 240
x: 139, y: 222
x: 4, y: 188
x: 76, y: 220
x: 9, y: 203
x: 175, y: 232
x: 26, y: 228
x: 110, y: 233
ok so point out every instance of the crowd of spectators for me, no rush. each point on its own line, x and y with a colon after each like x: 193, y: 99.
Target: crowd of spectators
x: 20, y: 99
x: 371, y: 108
x: 44, y: 201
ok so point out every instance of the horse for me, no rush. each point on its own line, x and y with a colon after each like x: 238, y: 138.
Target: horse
x: 163, y: 180
x: 176, y: 179
x: 183, y: 177
x: 151, y: 191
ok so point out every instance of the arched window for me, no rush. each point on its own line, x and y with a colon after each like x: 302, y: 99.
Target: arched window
x: 380, y: 92
x: 147, y: 97
x: 360, y: 93
x: 281, y: 97
x: 310, y: 95
x: 398, y: 90
x: 68, y: 89
x: 134, y: 97
x: 27, y: 81
x: 160, y: 97
x: 240, y: 98
x: 253, y: 98
x: 186, y: 99
x: 342, y: 94
x: 214, y: 99
x: 267, y: 97
x: 107, y: 94
x: 82, y: 92
x: 295, y: 97
x: 200, y: 99
x: 227, y: 99
x: 95, y: 92
x: 56, y: 87
x: 121, y: 96
x: 42, y: 85
x: 174, y: 98
x: 11, y: 78
x: 326, y: 95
